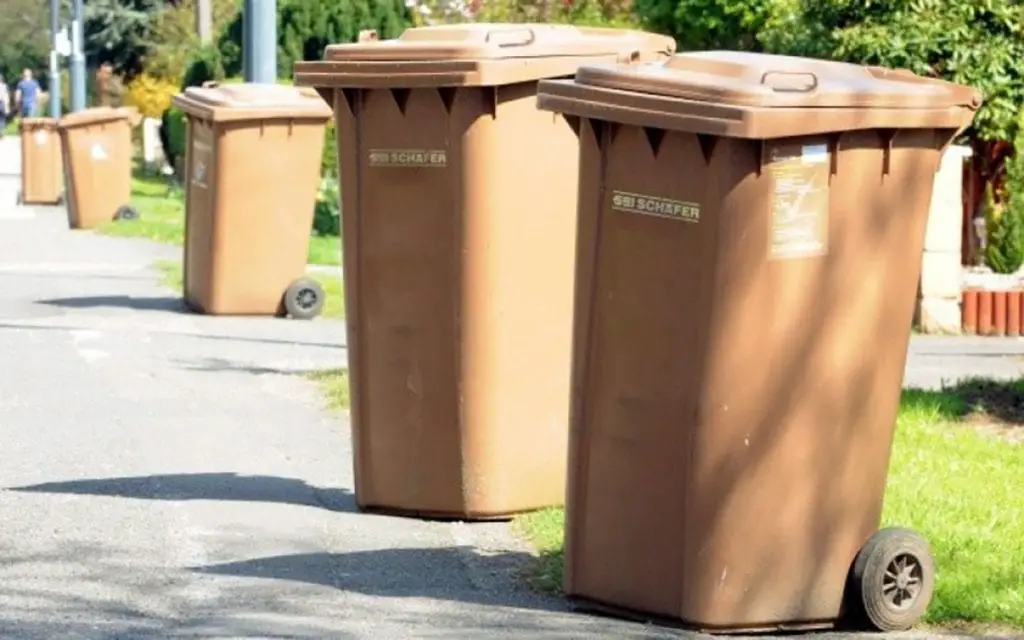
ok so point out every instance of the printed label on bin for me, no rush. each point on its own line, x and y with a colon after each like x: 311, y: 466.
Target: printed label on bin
x: 97, y: 152
x: 655, y: 206
x: 435, y: 158
x: 799, y: 202
x: 201, y: 153
x: 41, y: 137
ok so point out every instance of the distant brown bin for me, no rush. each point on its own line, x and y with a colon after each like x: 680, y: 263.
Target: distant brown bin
x: 97, y: 149
x: 42, y: 169
x: 253, y: 167
x: 459, y: 225
x: 749, y: 246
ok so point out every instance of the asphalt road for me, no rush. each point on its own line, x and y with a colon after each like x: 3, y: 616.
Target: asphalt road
x: 164, y: 474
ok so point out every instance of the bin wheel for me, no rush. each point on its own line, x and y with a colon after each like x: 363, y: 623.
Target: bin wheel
x: 126, y: 212
x: 893, y: 579
x: 19, y: 201
x: 304, y: 299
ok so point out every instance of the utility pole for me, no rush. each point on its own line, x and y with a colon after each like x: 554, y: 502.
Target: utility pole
x: 259, y: 41
x: 54, y: 59
x: 77, y: 63
x: 204, y: 20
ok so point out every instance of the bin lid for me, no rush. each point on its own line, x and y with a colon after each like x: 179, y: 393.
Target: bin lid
x: 250, y: 101
x: 94, y: 115
x: 38, y: 123
x: 742, y: 85
x: 477, y: 54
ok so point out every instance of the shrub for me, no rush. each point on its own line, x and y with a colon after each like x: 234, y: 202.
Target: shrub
x: 207, y: 64
x: 150, y: 95
x: 173, y: 37
x: 326, y: 215
x: 1004, y: 225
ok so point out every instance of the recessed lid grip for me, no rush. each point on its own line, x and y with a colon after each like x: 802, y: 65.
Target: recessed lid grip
x: 790, y: 81
x: 511, y: 37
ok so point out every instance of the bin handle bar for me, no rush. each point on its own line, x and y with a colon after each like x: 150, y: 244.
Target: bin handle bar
x: 530, y: 37
x: 211, y: 84
x: 368, y: 35
x: 804, y: 88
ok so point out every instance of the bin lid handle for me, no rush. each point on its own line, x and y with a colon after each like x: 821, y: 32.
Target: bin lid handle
x: 368, y: 35
x: 211, y: 84
x: 810, y: 83
x: 529, y: 38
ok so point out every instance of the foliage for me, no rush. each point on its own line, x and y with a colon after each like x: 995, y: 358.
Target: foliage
x: 326, y: 218
x: 173, y: 135
x: 150, y: 94
x: 329, y: 162
x: 979, y: 44
x: 1004, y: 225
x: 24, y: 39
x: 603, y: 13
x: 708, y: 24
x: 118, y: 31
x: 306, y: 27
x: 207, y: 64
x: 173, y: 37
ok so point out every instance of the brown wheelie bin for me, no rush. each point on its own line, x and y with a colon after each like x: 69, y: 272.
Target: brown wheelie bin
x: 458, y: 224
x: 97, y: 148
x: 42, y: 169
x: 252, y: 166
x: 750, y: 237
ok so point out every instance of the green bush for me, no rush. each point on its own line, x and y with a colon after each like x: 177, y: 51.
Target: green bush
x: 1004, y: 225
x: 327, y: 218
x: 207, y: 64
x: 173, y: 136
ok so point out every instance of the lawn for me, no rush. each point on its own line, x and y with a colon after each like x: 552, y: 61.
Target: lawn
x: 161, y: 210
x: 334, y: 385
x: 957, y: 477
x: 334, y: 306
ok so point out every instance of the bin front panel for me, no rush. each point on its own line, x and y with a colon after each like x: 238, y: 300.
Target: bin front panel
x: 267, y: 174
x: 200, y: 173
x: 42, y: 178
x: 100, y: 161
x: 737, y: 374
x: 458, y: 215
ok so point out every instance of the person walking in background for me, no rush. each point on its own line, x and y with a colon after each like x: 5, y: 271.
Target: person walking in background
x: 5, y: 104
x: 26, y: 95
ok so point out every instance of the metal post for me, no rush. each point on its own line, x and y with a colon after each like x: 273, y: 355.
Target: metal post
x: 77, y: 63
x: 204, y: 20
x: 259, y: 41
x: 54, y: 59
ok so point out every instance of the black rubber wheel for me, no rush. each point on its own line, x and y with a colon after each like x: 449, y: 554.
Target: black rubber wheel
x: 893, y: 579
x: 126, y: 212
x: 304, y: 299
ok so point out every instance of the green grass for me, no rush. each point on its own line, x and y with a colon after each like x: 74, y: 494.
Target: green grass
x: 334, y: 385
x: 161, y: 210
x: 957, y: 477
x: 171, y: 276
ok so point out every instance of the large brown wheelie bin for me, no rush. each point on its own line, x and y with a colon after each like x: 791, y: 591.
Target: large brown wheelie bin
x: 252, y: 168
x: 750, y: 237
x: 42, y: 168
x: 459, y: 226
x: 97, y: 148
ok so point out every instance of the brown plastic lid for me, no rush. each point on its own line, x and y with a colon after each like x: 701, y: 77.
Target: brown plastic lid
x: 477, y: 55
x: 762, y: 95
x: 38, y: 123
x: 95, y: 115
x: 219, y: 102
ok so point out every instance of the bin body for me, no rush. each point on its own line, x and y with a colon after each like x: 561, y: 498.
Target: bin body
x: 746, y: 276
x: 252, y: 168
x: 458, y: 224
x: 42, y: 171
x: 97, y: 148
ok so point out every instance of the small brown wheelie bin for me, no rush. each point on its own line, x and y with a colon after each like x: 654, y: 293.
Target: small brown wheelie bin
x: 458, y: 222
x: 749, y: 246
x: 252, y: 168
x: 97, y: 148
x: 42, y: 168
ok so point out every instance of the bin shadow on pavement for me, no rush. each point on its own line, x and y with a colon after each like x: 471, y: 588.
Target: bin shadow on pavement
x: 148, y: 303
x: 205, y: 486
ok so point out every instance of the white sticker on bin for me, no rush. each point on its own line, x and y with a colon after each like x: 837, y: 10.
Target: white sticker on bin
x: 41, y: 137
x: 97, y: 152
x: 815, y: 154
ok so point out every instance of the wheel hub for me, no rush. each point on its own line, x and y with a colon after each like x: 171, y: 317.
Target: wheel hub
x: 306, y: 298
x: 902, y: 582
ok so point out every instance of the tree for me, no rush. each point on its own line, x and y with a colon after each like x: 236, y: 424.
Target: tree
x: 118, y: 31
x: 173, y: 39
x: 1004, y: 225
x: 24, y: 38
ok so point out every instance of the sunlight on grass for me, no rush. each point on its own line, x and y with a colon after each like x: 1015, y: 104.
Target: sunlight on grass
x: 334, y: 385
x: 960, y: 488
x: 161, y: 208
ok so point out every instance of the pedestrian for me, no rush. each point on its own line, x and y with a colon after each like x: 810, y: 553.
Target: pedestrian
x: 5, y: 105
x: 26, y: 94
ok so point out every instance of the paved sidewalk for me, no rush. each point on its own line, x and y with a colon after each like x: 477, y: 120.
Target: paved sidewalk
x: 164, y: 474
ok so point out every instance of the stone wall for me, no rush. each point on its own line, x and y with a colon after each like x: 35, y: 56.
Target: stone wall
x: 938, y: 296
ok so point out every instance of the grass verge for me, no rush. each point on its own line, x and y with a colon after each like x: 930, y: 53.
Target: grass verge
x: 956, y: 470
x: 161, y: 208
x: 171, y: 276
x: 334, y: 386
